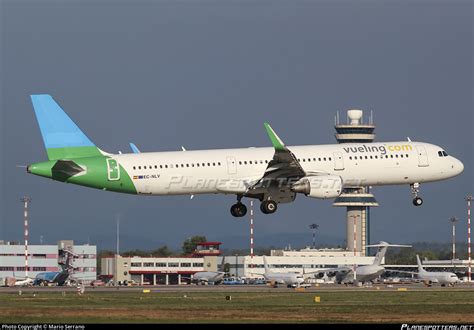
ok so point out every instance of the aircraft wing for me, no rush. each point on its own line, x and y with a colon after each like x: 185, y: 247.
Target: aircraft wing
x: 331, y: 270
x: 400, y: 271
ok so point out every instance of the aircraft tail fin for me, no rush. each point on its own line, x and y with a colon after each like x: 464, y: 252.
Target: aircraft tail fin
x: 267, y: 270
x: 420, y: 266
x: 62, y: 138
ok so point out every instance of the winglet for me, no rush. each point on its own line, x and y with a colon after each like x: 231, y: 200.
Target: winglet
x: 134, y: 148
x: 276, y: 141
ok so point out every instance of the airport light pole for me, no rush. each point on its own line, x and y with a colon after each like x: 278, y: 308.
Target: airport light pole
x: 469, y: 199
x: 25, y: 200
x: 314, y: 227
x: 355, y: 216
x: 453, y: 221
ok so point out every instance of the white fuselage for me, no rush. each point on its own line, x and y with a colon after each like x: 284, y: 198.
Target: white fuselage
x: 290, y: 279
x: 229, y: 170
x: 208, y: 277
x: 445, y: 278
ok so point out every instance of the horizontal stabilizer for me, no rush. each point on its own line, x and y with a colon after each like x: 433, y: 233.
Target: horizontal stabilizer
x: 134, y: 148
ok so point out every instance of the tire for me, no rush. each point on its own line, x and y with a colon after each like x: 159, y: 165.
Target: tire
x: 268, y: 207
x: 417, y: 201
x: 238, y: 210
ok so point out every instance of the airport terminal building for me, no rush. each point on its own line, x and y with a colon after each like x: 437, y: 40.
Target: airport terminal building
x: 45, y: 258
x: 179, y: 270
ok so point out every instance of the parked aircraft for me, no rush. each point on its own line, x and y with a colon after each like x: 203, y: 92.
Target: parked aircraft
x: 272, y: 175
x: 291, y: 280
x: 366, y: 273
x: 430, y: 278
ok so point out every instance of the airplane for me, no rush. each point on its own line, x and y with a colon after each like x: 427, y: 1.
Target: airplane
x: 24, y: 282
x: 272, y: 175
x: 430, y: 278
x: 291, y: 280
x: 205, y: 278
x: 60, y: 277
x: 208, y: 277
x: 366, y: 273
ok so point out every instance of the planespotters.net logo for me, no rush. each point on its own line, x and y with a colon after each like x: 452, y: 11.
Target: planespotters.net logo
x: 437, y: 327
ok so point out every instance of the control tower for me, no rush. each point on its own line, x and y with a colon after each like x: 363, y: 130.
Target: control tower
x: 356, y: 200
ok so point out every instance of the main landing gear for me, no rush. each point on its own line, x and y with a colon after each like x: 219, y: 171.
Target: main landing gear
x: 239, y: 209
x: 415, y: 189
x: 268, y: 206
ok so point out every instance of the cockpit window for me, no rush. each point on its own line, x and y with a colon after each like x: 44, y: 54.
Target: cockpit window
x: 442, y: 153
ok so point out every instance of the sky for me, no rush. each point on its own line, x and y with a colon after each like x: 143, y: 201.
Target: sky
x: 207, y: 74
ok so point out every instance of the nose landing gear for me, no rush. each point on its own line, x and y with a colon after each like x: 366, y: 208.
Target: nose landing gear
x: 415, y: 189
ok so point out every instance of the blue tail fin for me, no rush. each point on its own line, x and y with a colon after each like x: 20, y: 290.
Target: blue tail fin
x: 62, y: 138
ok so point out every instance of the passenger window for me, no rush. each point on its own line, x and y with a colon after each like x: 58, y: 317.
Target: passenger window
x: 240, y: 163
x: 245, y: 162
x: 324, y: 158
x: 187, y: 165
x: 329, y: 158
x: 219, y: 164
x: 134, y: 168
x: 166, y: 166
x: 250, y: 162
x: 139, y: 167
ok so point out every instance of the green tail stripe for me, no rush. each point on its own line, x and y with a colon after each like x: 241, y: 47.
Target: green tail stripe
x: 72, y: 152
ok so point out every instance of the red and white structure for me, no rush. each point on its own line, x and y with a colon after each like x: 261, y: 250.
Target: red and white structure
x: 25, y: 201
x: 251, y: 233
x: 469, y: 199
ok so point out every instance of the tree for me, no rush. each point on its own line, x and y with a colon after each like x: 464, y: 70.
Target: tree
x: 162, y: 251
x: 189, y: 245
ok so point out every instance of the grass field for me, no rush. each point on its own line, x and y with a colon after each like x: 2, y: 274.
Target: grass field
x: 212, y: 307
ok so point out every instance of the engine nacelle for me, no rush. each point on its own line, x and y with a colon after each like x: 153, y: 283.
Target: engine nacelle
x: 320, y: 186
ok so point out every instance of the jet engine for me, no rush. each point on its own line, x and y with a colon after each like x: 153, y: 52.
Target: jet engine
x: 320, y: 186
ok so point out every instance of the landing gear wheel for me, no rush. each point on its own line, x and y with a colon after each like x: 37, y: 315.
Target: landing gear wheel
x: 268, y: 207
x: 417, y: 201
x: 238, y: 210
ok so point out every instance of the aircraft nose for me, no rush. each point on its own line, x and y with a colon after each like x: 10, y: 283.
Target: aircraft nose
x: 458, y: 166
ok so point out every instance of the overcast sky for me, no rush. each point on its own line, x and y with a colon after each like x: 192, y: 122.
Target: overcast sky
x: 207, y: 74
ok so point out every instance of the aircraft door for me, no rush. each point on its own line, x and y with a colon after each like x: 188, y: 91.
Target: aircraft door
x: 338, y: 161
x: 113, y: 170
x: 422, y: 156
x: 231, y: 165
